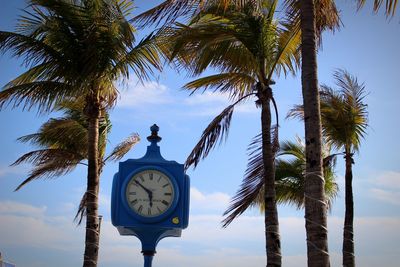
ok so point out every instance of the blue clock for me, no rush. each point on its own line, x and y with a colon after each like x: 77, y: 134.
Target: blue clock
x: 150, y: 198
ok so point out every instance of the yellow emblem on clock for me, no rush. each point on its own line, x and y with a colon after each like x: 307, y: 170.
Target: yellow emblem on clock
x: 175, y: 220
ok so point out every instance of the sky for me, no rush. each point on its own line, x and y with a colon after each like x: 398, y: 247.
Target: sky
x: 36, y: 223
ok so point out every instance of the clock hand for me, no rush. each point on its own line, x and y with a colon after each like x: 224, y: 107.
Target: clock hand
x: 151, y: 198
x: 147, y: 191
x: 144, y: 188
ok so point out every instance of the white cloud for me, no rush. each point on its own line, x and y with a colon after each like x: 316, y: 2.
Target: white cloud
x: 69, y: 207
x: 247, y: 107
x: 389, y: 179
x: 141, y: 94
x: 12, y: 207
x: 217, y: 257
x: 203, y: 243
x: 45, y: 233
x: 386, y: 195
x: 26, y: 225
x: 213, y: 202
x: 207, y: 98
x: 153, y: 94
x: 6, y: 170
x: 387, y: 187
x: 213, y: 103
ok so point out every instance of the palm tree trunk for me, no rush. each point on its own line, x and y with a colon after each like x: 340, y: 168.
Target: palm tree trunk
x: 348, y: 235
x: 272, y: 237
x: 92, y: 192
x: 315, y: 202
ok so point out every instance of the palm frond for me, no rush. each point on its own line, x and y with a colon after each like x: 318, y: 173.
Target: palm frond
x: 295, y: 149
x: 297, y: 112
x: 233, y: 41
x: 290, y: 182
x: 287, y: 54
x: 326, y: 16
x: 63, y: 141
x: 60, y: 130
x: 251, y: 192
x: 44, y: 94
x: 251, y: 185
x: 41, y: 157
x: 210, y: 41
x: 236, y: 85
x: 81, y: 212
x: 61, y: 133
x: 344, y: 114
x: 44, y: 71
x: 124, y: 147
x: 51, y: 169
x: 32, y: 50
x: 216, y: 131
x: 275, y: 138
x: 390, y: 6
x: 289, y: 179
x: 142, y: 58
x: 168, y: 11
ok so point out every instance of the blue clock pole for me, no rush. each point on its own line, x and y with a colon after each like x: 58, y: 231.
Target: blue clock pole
x: 148, y: 258
x: 150, y: 198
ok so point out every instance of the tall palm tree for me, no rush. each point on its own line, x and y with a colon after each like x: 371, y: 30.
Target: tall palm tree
x: 247, y: 47
x: 77, y: 49
x: 315, y: 208
x: 289, y: 179
x: 344, y: 121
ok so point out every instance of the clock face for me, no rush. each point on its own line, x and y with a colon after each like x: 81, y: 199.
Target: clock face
x: 150, y: 193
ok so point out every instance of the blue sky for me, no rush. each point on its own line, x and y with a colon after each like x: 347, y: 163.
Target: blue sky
x: 36, y: 223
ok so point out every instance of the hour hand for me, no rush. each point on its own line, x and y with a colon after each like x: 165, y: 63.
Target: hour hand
x: 151, y: 198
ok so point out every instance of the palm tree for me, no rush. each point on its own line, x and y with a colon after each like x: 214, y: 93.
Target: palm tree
x: 289, y: 179
x: 344, y: 121
x: 62, y: 146
x: 77, y: 49
x: 315, y: 208
x: 248, y: 48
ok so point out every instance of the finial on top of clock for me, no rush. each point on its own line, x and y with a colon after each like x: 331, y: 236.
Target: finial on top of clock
x: 154, y: 138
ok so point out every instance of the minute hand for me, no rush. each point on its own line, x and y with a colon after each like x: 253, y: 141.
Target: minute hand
x: 144, y: 188
x: 147, y: 191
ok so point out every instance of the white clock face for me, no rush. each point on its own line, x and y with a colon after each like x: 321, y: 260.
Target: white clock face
x: 150, y: 193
